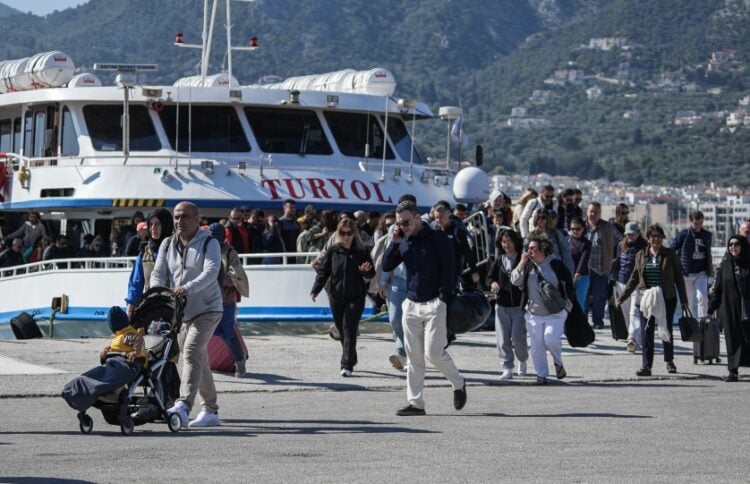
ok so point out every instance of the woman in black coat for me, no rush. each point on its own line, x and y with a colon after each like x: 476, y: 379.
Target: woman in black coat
x: 346, y: 265
x: 731, y: 297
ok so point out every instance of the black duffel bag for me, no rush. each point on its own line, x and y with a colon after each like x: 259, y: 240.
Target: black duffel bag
x: 467, y: 311
x: 578, y: 331
x: 690, y: 328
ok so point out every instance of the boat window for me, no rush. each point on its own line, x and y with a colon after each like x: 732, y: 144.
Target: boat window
x: 28, y: 131
x: 215, y: 129
x: 40, y: 125
x: 6, y: 136
x: 105, y: 128
x: 69, y: 139
x: 352, y: 131
x: 288, y: 131
x: 401, y: 140
x: 17, y: 135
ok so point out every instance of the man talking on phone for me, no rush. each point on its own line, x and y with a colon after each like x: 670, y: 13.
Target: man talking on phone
x: 430, y: 281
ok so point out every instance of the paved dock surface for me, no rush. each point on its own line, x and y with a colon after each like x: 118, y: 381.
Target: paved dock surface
x: 294, y: 419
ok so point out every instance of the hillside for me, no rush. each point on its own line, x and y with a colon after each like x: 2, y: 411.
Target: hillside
x: 487, y: 55
x: 6, y: 11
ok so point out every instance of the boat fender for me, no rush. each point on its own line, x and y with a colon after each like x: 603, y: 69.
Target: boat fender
x: 24, y: 327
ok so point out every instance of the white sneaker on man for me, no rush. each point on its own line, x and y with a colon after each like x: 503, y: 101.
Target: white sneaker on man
x: 206, y: 418
x: 522, y: 368
x: 507, y: 374
x: 180, y: 409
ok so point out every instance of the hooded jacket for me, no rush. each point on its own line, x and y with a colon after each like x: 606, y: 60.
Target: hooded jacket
x: 194, y: 267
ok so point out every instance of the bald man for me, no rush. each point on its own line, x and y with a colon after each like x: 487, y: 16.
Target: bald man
x: 189, y: 263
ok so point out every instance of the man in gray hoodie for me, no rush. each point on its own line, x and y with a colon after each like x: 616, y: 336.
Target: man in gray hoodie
x: 189, y: 262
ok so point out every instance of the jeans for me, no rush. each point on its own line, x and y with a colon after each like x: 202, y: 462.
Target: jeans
x: 196, y: 370
x: 395, y: 299
x: 346, y: 315
x: 510, y: 331
x: 696, y: 286
x: 632, y: 313
x: 648, y: 335
x: 582, y: 290
x: 546, y: 335
x: 425, y: 335
x: 598, y: 292
x: 225, y: 330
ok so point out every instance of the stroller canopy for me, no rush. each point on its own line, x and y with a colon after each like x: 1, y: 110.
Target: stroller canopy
x: 158, y: 303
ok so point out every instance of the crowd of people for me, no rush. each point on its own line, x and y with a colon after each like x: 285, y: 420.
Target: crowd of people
x: 551, y: 254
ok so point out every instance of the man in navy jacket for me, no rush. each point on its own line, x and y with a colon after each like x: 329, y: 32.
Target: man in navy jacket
x: 430, y: 281
x: 693, y: 245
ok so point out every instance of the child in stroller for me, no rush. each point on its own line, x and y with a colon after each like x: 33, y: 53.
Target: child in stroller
x: 153, y: 369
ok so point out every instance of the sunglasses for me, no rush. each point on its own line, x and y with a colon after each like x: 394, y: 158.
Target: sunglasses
x: 346, y: 233
x: 734, y: 244
x: 576, y: 229
x: 403, y: 223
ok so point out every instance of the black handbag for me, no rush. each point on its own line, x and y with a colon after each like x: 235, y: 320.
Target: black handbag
x: 578, y: 331
x: 467, y: 311
x: 553, y: 300
x: 690, y: 328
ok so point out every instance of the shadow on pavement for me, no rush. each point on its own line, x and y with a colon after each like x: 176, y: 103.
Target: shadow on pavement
x: 21, y: 480
x: 551, y: 415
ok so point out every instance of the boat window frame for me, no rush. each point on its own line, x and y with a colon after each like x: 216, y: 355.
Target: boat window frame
x: 418, y: 158
x: 355, y: 150
x: 7, y: 122
x: 72, y: 116
x: 285, y: 145
x: 136, y: 123
x: 184, y: 142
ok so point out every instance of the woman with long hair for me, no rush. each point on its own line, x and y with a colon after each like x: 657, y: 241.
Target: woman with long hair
x: 731, y: 298
x: 347, y: 264
x: 580, y: 251
x: 658, y: 276
x: 510, y: 327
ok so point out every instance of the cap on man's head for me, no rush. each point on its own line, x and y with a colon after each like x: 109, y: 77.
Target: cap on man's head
x: 632, y: 228
x: 141, y: 226
x: 117, y: 319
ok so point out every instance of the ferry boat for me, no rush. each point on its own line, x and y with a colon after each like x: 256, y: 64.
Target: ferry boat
x: 89, y: 154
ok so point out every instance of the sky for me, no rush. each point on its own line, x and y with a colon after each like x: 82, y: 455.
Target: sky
x: 42, y: 7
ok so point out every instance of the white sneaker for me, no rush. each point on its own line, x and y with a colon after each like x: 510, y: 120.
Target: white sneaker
x: 346, y: 373
x: 206, y: 419
x: 180, y: 409
x: 507, y: 374
x: 521, y: 368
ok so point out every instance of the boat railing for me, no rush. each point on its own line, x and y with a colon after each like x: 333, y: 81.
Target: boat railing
x: 101, y: 264
x: 209, y: 163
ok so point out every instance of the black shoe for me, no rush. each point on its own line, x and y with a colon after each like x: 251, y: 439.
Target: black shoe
x: 671, y: 368
x: 459, y: 398
x: 540, y: 380
x: 560, y: 371
x: 598, y: 326
x: 410, y: 411
x: 643, y: 372
x: 732, y: 377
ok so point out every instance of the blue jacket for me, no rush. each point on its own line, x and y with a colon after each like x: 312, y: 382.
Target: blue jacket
x: 694, y: 250
x: 137, y: 281
x: 429, y: 261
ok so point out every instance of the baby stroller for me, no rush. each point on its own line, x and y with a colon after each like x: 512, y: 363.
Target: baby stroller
x: 147, y: 397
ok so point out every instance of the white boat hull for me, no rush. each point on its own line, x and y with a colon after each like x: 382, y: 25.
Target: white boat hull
x: 278, y: 293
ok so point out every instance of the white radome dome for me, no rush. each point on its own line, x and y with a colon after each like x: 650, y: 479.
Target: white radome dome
x: 471, y: 185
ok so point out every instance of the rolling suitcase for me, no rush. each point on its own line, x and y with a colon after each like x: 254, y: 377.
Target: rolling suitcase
x: 708, y: 348
x: 617, y: 321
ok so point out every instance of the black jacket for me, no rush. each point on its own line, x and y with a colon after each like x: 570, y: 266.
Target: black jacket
x: 429, y: 261
x: 341, y: 265
x: 459, y: 236
x: 564, y: 281
x: 509, y: 295
x: 10, y: 258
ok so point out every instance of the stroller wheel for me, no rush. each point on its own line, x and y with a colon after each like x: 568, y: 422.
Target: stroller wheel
x: 126, y: 425
x: 174, y: 422
x: 85, y: 423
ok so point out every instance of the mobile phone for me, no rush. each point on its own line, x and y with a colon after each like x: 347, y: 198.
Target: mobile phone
x: 400, y: 232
